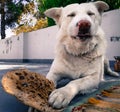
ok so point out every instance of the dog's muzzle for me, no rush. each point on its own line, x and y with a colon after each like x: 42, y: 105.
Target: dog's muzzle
x: 84, y: 29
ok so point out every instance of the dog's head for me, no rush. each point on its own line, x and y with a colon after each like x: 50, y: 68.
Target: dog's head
x: 79, y: 21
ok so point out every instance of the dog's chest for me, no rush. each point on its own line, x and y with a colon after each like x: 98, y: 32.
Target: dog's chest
x: 78, y: 67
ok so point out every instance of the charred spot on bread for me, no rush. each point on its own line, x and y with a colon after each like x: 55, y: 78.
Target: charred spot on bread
x: 31, y: 77
x: 21, y: 77
x: 25, y: 73
x: 18, y: 87
x: 32, y: 91
x: 24, y: 84
x: 17, y: 73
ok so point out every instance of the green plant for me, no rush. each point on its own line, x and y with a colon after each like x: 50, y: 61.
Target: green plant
x: 46, y: 4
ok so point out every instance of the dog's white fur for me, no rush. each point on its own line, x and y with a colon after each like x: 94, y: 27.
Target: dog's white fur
x: 82, y: 61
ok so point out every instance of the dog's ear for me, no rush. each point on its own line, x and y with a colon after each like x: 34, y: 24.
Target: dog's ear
x: 101, y: 6
x: 54, y: 13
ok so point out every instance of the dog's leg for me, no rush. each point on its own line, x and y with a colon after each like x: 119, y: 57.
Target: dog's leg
x: 61, y: 97
x: 53, y: 77
x: 108, y: 70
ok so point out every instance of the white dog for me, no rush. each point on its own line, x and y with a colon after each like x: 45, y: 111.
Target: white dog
x: 80, y: 50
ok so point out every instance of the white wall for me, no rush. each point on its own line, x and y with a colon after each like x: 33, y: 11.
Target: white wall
x: 40, y: 44
x: 111, y: 26
x: 12, y: 48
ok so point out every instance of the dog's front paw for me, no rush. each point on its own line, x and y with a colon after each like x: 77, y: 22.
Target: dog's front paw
x: 60, y: 98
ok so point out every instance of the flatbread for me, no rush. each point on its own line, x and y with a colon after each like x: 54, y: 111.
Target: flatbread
x: 33, y: 89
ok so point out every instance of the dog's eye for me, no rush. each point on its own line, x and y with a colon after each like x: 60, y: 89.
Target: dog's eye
x: 90, y: 13
x: 71, y: 15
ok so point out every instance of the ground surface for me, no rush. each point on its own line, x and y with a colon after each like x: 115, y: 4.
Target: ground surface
x: 9, y: 103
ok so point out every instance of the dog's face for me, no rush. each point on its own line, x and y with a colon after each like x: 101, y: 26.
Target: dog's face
x: 79, y: 22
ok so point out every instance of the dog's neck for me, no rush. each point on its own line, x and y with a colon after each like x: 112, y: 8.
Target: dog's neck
x: 92, y: 54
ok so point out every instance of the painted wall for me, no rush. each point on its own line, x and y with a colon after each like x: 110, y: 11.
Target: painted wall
x: 12, y: 48
x: 40, y: 44
x: 111, y: 26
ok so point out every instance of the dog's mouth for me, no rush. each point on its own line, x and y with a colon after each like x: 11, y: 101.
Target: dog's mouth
x: 83, y: 37
x: 83, y: 34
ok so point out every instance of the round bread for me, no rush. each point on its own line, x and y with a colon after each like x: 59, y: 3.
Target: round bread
x: 31, y: 88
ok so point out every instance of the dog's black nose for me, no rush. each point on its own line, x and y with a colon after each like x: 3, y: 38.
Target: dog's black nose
x: 84, y: 26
